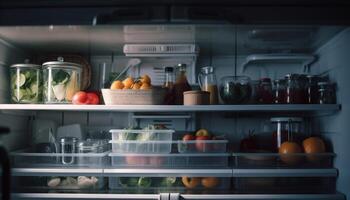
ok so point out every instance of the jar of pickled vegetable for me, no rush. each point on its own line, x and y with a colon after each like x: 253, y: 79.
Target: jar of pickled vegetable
x: 61, y: 81
x: 26, y: 83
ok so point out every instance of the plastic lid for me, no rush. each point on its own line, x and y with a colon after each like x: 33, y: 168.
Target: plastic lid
x: 60, y: 63
x: 69, y: 140
x: 286, y: 119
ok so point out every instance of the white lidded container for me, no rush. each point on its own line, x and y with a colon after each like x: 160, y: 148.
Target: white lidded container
x: 61, y: 81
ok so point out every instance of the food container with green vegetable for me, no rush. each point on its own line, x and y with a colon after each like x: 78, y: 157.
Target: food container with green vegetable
x: 61, y: 81
x: 26, y: 83
x: 141, y: 141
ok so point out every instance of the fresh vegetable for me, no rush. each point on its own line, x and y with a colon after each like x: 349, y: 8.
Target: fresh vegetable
x: 128, y: 182
x: 201, y: 145
x: 168, y: 182
x: 136, y: 160
x: 26, y: 86
x: 190, y: 182
x: 60, y: 77
x: 144, y: 182
x: 210, y: 182
x: 248, y: 144
x: 188, y: 137
x: 83, y: 98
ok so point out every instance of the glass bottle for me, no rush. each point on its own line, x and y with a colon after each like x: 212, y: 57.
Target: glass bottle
x: 207, y: 82
x: 312, y: 89
x: 294, y: 90
x: 326, y: 93
x: 169, y: 78
x: 265, y: 91
x: 279, y: 91
x: 181, y: 85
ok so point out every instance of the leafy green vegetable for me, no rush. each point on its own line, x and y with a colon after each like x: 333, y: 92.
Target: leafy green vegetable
x: 60, y: 77
x: 144, y: 182
x: 26, y: 86
x: 168, y: 182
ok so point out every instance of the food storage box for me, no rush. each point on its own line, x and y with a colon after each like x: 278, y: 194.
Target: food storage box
x: 179, y: 183
x: 141, y: 141
x: 154, y: 96
x: 202, y: 146
x: 25, y: 158
x: 59, y: 182
x: 26, y: 83
x: 61, y: 81
x: 217, y: 160
x: 284, y: 185
x: 275, y: 160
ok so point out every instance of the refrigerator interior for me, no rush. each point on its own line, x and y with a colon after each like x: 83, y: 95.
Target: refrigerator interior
x: 226, y: 47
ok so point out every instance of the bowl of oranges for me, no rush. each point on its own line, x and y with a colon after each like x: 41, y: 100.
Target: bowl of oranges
x: 134, y: 91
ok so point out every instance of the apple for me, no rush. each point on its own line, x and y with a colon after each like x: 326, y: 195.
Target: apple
x: 136, y: 160
x: 248, y: 144
x: 156, y: 161
x: 201, y: 145
x: 202, y: 132
x: 188, y: 137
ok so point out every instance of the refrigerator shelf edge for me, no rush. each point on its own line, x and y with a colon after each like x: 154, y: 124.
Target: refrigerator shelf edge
x: 84, y: 196
x: 55, y: 172
x: 285, y: 172
x: 168, y: 172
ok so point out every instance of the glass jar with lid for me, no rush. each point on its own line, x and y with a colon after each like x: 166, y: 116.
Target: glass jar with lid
x: 26, y: 83
x: 279, y: 91
x: 326, y: 93
x: 265, y: 91
x: 312, y: 89
x: 61, y: 81
x: 295, y: 89
x: 207, y: 82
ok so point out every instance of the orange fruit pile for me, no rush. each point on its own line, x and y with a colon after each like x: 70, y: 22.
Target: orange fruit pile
x: 142, y: 83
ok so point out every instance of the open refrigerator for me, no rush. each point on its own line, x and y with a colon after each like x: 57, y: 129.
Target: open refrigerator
x: 167, y: 167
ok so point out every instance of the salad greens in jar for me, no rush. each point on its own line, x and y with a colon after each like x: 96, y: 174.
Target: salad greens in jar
x: 61, y: 81
x: 26, y: 83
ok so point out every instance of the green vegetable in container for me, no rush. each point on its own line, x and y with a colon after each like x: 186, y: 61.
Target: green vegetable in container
x: 144, y: 182
x: 168, y: 182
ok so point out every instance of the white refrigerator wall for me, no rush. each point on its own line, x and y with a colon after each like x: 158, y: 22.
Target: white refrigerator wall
x: 334, y: 59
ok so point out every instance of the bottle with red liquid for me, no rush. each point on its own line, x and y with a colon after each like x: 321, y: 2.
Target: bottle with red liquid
x: 169, y: 81
x: 181, y: 85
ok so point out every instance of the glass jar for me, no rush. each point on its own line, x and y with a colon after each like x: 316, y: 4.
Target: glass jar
x: 169, y: 78
x: 207, y: 82
x: 295, y: 91
x: 265, y: 91
x: 26, y: 83
x: 285, y: 129
x: 279, y: 91
x: 326, y: 93
x: 68, y: 146
x: 255, y: 96
x: 303, y: 82
x: 61, y: 81
x: 312, y: 89
x: 181, y: 85
x: 235, y: 89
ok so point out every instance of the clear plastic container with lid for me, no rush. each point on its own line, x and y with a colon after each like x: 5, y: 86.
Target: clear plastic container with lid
x: 61, y: 81
x: 26, y: 83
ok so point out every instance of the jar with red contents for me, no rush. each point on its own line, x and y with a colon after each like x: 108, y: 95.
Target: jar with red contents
x: 295, y: 89
x: 312, y: 89
x: 279, y: 91
x: 265, y: 91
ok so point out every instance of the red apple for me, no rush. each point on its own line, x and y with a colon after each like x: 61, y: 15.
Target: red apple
x: 201, y: 145
x: 188, y: 137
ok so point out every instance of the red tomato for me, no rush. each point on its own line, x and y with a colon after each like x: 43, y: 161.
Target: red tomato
x: 201, y: 145
x: 136, y: 160
x: 82, y: 98
x: 188, y: 137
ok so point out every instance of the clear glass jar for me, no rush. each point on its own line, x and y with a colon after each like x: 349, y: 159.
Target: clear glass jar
x: 26, y: 83
x: 279, y: 91
x: 255, y: 96
x: 61, y: 81
x: 295, y: 91
x: 68, y: 146
x: 326, y: 93
x: 312, y: 89
x: 207, y: 82
x: 235, y: 89
x: 265, y: 91
x: 285, y: 129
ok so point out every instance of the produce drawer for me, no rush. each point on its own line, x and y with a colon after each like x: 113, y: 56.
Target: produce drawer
x: 289, y: 161
x: 59, y: 183
x: 285, y: 185
x: 141, y: 141
x: 202, y: 146
x: 209, y: 183
x: 217, y: 160
x: 40, y: 160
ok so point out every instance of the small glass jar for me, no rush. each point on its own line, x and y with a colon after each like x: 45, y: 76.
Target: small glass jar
x: 312, y: 89
x: 285, y: 129
x: 61, y: 81
x: 235, y: 89
x: 265, y: 91
x: 255, y: 96
x: 26, y: 83
x: 326, y: 93
x: 279, y: 91
x: 295, y: 91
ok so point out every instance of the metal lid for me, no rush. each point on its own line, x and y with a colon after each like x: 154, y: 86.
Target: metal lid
x: 323, y: 83
x: 60, y: 63
x: 197, y: 92
x: 182, y: 66
x: 169, y: 69
x: 69, y: 140
x: 279, y: 81
x: 25, y: 64
x: 207, y: 70
x: 286, y: 119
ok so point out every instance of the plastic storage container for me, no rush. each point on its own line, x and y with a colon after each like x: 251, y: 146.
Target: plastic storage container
x: 141, y: 141
x: 61, y: 81
x: 26, y: 83
x: 158, y: 183
x: 202, y: 146
x: 170, y: 160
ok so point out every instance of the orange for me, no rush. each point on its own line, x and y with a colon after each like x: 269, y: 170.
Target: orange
x: 314, y: 145
x: 128, y: 82
x: 145, y: 86
x: 210, y: 182
x: 136, y: 86
x: 117, y: 85
x: 286, y: 151
x: 145, y: 79
x: 190, y: 182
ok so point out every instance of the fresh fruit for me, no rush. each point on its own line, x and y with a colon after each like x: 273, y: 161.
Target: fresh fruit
x: 190, y: 182
x: 136, y: 160
x: 202, y: 132
x: 156, y: 161
x: 248, y: 144
x: 188, y: 137
x: 136, y: 86
x: 83, y: 98
x: 314, y: 145
x: 287, y: 149
x: 128, y: 82
x: 210, y: 182
x: 201, y: 145
x: 117, y: 85
x: 145, y: 86
x: 145, y: 79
